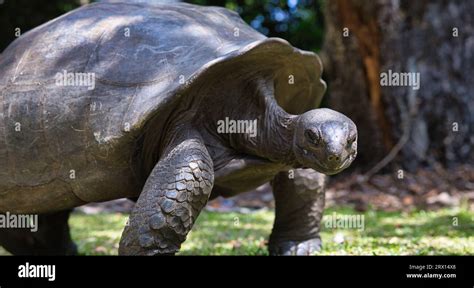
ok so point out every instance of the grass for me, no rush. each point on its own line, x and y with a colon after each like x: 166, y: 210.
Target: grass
x: 385, y: 233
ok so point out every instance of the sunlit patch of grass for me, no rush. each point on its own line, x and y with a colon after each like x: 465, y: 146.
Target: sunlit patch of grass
x: 229, y: 234
x: 3, y: 252
x: 442, y: 232
x: 97, y: 234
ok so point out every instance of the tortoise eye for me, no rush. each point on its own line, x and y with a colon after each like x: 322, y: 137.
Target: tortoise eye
x: 352, y: 139
x: 312, y: 136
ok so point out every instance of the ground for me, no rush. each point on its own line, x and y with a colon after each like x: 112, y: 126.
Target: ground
x: 445, y: 231
x: 427, y: 212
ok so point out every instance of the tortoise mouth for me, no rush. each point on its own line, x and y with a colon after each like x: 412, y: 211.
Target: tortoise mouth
x: 312, y: 161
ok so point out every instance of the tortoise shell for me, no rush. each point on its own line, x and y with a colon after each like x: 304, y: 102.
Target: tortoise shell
x: 143, y: 59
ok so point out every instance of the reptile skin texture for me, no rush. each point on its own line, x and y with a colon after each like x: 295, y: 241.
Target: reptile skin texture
x: 174, y: 194
x: 299, y: 209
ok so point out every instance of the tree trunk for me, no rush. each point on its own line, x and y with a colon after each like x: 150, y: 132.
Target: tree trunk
x: 366, y: 39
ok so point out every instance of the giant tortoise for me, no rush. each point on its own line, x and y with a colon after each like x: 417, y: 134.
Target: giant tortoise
x: 170, y: 104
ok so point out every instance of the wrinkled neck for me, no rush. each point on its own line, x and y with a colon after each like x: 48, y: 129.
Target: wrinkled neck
x: 275, y: 132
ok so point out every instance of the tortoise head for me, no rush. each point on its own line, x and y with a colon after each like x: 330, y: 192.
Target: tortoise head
x: 325, y: 140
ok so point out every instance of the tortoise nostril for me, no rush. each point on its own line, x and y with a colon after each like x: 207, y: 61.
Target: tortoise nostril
x: 334, y: 158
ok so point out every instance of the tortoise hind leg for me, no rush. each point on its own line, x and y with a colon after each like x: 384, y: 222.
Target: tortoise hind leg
x: 52, y: 238
x: 299, y: 208
x: 174, y: 194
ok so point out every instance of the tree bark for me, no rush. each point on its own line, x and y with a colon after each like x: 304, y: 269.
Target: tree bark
x: 434, y: 123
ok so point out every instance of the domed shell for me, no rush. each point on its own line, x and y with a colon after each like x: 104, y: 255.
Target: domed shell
x: 144, y: 58
x: 159, y: 51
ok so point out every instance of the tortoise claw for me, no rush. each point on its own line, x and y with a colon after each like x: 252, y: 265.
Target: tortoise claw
x: 299, y: 248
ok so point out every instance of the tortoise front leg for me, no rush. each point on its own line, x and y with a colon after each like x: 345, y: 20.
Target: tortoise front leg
x: 299, y: 208
x: 172, y: 198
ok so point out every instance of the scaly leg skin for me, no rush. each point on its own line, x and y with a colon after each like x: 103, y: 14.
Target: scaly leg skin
x: 299, y: 208
x: 172, y: 198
